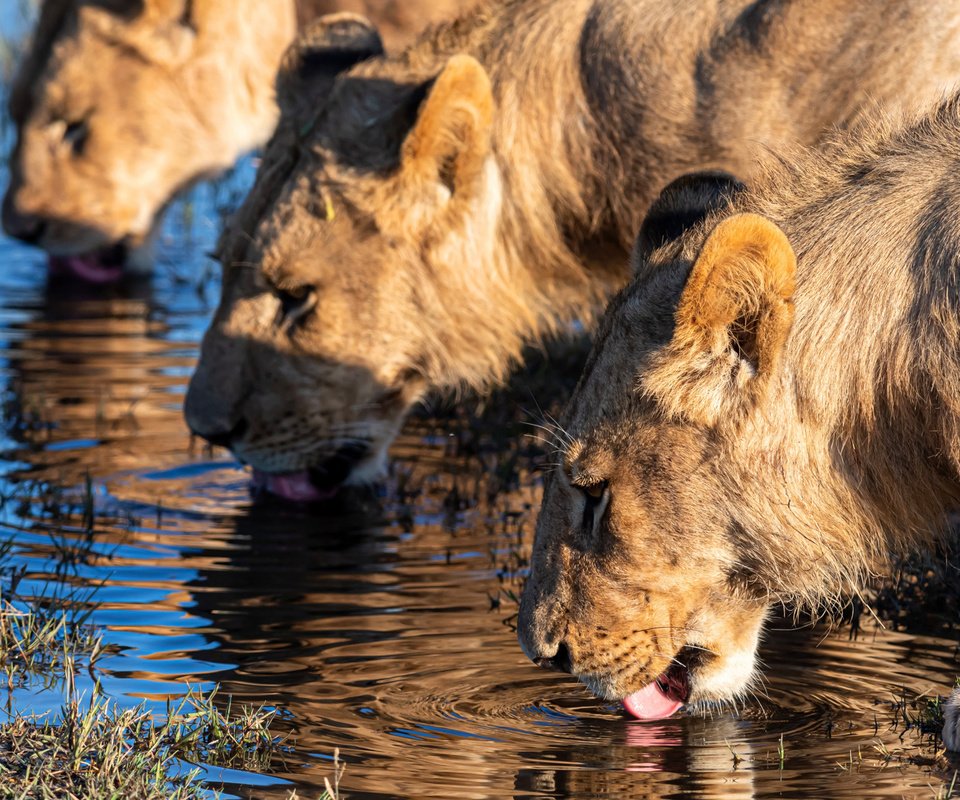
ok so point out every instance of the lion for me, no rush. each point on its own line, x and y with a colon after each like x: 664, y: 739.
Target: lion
x: 121, y: 104
x: 769, y: 411
x: 420, y: 218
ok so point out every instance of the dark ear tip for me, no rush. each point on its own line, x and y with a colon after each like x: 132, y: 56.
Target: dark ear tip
x: 340, y: 31
x: 327, y: 46
x: 123, y: 8
x: 717, y: 178
x: 682, y: 204
x: 342, y: 37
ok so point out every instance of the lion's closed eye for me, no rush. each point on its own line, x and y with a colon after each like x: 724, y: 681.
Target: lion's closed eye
x: 295, y: 305
x: 595, y: 491
x: 596, y: 499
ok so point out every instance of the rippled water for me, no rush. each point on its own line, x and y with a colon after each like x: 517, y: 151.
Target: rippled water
x: 383, y: 627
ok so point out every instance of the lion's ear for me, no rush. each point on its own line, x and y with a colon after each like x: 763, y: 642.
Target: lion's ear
x: 731, y: 324
x: 326, y: 47
x: 160, y: 31
x: 683, y: 203
x: 125, y: 8
x: 450, y: 139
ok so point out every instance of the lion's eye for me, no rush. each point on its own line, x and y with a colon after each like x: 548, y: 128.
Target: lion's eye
x: 597, y: 495
x: 595, y: 491
x: 75, y: 136
x: 295, y: 304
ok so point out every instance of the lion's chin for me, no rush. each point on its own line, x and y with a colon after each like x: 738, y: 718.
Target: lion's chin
x: 662, y: 698
x: 294, y: 487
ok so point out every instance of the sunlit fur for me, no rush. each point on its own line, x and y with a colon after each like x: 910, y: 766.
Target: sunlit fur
x: 829, y: 445
x: 169, y: 90
x: 167, y: 93
x: 525, y: 226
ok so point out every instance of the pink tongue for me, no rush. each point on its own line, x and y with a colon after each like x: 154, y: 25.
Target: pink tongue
x: 293, y: 486
x: 90, y: 268
x: 651, y: 703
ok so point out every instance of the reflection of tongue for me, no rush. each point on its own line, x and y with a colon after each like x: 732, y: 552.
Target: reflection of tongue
x: 651, y: 702
x: 91, y: 268
x: 293, y: 486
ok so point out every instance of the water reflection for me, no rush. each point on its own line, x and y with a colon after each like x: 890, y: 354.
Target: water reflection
x: 402, y: 664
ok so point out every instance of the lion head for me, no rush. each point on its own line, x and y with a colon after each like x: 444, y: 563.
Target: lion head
x: 690, y: 493
x: 122, y: 103
x: 367, y: 235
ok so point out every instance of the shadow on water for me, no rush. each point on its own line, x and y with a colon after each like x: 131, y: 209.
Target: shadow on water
x: 382, y: 625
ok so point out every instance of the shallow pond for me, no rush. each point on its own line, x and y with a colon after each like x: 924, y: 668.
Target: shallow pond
x: 381, y: 627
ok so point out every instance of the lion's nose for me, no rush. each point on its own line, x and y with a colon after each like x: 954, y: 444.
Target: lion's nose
x: 224, y: 438
x: 559, y: 661
x: 27, y: 228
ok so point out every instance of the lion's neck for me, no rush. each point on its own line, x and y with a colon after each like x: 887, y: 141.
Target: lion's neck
x: 826, y: 513
x: 866, y: 458
x: 814, y: 535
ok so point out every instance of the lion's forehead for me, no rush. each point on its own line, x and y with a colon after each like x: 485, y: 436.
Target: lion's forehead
x: 605, y: 413
x: 289, y: 205
x: 641, y: 453
x: 609, y: 395
x: 78, y: 79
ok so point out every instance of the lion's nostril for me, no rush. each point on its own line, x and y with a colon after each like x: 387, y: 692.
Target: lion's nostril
x: 25, y: 227
x: 560, y: 661
x: 225, y: 438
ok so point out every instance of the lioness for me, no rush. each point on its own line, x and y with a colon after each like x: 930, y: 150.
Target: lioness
x: 770, y: 410
x: 427, y: 214
x: 120, y: 104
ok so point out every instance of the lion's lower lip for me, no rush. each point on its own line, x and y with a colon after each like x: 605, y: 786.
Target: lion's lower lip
x: 100, y: 267
x: 295, y: 487
x: 662, y: 698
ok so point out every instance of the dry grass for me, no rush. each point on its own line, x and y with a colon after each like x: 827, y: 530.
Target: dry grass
x: 46, y: 638
x: 42, y: 644
x: 332, y: 791
x: 43, y: 640
x: 98, y: 751
x: 948, y: 791
x: 95, y: 749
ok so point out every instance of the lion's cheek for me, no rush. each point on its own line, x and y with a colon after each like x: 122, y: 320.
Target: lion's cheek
x: 729, y: 634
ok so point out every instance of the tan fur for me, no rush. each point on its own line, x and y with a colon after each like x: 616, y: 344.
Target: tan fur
x: 162, y: 100
x: 454, y: 123
x: 744, y: 276
x: 118, y: 108
x: 440, y: 282
x: 762, y: 434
